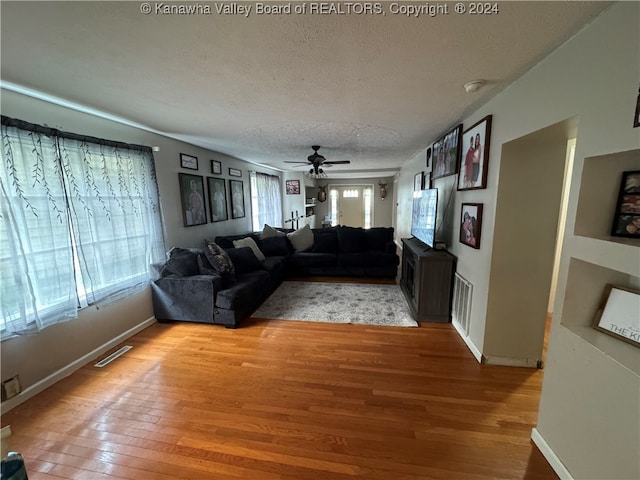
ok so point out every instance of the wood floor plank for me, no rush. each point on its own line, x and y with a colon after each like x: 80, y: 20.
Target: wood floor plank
x: 286, y: 400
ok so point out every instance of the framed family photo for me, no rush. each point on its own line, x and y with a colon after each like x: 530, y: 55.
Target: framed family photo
x: 626, y: 220
x: 475, y: 156
x: 445, y: 154
x: 292, y: 187
x: 217, y: 199
x: 471, y: 224
x: 192, y: 199
x: 237, y: 198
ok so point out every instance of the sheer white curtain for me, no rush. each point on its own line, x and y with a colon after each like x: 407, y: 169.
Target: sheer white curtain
x: 266, y: 196
x: 37, y: 284
x: 81, y: 219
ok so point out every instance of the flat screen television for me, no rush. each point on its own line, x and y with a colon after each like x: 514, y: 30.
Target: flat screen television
x: 423, y: 217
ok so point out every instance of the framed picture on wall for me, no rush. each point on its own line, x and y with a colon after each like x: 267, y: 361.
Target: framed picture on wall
x: 188, y: 161
x: 216, y: 167
x: 217, y: 199
x: 192, y: 199
x: 428, y: 164
x: 292, y: 187
x: 636, y: 119
x: 471, y: 224
x: 237, y: 198
x: 234, y: 172
x: 445, y: 154
x: 475, y: 156
x: 418, y: 181
x: 626, y: 220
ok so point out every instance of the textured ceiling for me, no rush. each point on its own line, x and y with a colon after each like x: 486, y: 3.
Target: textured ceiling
x: 371, y: 88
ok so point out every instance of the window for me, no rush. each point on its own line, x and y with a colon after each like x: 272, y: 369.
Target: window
x: 80, y: 223
x: 266, y: 201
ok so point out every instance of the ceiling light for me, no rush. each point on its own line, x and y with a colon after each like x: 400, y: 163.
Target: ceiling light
x: 473, y: 86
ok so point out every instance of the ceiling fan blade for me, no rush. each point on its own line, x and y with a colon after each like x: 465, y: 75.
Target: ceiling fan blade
x: 301, y: 163
x: 337, y: 162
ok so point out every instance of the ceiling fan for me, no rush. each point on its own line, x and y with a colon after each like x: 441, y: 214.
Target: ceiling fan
x: 317, y: 161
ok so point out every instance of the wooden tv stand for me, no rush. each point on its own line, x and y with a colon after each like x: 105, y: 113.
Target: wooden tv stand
x: 427, y: 281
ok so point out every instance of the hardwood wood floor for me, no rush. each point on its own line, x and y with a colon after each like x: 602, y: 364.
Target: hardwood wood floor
x: 286, y: 400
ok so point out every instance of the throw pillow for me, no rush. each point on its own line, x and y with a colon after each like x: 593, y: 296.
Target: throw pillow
x: 244, y: 260
x: 274, y: 246
x: 204, y: 267
x: 301, y: 239
x: 182, y: 262
x: 251, y: 243
x: 219, y: 259
x: 268, y: 231
x: 377, y: 238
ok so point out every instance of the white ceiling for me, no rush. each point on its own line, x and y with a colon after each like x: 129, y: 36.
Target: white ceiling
x: 373, y: 89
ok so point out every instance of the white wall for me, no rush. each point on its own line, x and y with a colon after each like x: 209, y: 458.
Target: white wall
x: 589, y: 413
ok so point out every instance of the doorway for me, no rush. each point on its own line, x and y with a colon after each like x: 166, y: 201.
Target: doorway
x: 528, y: 217
x: 351, y: 205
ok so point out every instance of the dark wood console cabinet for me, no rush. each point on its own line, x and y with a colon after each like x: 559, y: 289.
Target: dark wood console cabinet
x: 427, y: 281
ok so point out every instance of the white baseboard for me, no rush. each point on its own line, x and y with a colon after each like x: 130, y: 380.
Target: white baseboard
x: 550, y: 455
x: 45, y: 383
x: 474, y: 350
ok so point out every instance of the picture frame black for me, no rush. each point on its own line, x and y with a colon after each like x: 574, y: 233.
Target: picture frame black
x: 626, y: 219
x: 428, y: 164
x: 636, y: 118
x: 218, y: 210
x: 236, y: 189
x: 194, y: 211
x: 292, y: 187
x: 445, y: 153
x: 234, y: 172
x: 188, y: 161
x: 418, y: 181
x: 474, y: 158
x: 471, y: 224
x: 216, y: 167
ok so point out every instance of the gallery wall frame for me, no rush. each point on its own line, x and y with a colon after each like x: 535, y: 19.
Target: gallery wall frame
x: 626, y: 219
x: 188, y: 161
x: 194, y: 210
x: 471, y: 224
x: 474, y: 158
x: 234, y: 172
x: 617, y: 314
x: 418, y: 181
x: 445, y: 153
x: 236, y: 189
x: 292, y: 187
x: 217, y: 199
x: 216, y: 167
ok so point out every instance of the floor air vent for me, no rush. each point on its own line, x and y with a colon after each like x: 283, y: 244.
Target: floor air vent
x: 462, y: 290
x: 113, y: 356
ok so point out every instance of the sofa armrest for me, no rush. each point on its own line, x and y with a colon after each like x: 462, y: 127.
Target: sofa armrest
x: 185, y: 298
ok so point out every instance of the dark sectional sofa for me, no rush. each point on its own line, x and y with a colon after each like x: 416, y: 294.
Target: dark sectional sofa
x: 190, y: 288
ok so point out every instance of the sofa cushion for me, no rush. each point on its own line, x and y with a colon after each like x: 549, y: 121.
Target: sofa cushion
x: 269, y: 231
x: 275, y: 246
x: 275, y: 266
x: 368, y: 259
x: 325, y: 242
x: 204, y: 267
x: 378, y: 238
x: 244, y: 291
x: 301, y: 239
x: 309, y: 259
x: 251, y: 243
x: 182, y: 262
x: 219, y: 259
x: 351, y: 239
x: 244, y: 260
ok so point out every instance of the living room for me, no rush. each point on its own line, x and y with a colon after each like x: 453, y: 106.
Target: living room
x: 586, y: 89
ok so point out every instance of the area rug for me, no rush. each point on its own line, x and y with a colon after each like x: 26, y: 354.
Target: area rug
x: 338, y: 303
